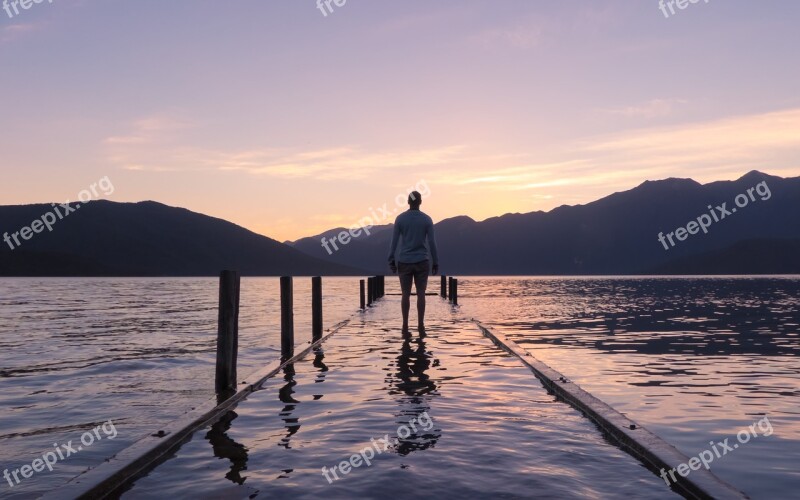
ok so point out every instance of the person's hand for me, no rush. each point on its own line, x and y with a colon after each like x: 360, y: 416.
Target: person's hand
x: 435, y: 269
x: 393, y: 267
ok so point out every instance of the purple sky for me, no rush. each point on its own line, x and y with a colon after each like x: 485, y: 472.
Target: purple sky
x: 273, y: 116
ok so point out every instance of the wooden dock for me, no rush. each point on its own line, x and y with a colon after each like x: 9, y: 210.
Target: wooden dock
x: 315, y: 409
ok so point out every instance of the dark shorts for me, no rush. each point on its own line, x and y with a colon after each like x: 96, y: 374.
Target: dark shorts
x: 416, y: 273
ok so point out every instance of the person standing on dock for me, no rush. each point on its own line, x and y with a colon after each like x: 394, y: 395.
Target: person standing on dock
x: 414, y: 227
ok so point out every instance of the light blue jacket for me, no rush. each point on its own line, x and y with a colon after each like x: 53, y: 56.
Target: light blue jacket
x: 415, y: 227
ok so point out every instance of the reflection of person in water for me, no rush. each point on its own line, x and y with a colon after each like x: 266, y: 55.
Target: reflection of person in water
x: 416, y: 389
x: 412, y: 364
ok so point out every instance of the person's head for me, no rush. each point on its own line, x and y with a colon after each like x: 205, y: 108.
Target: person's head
x: 414, y: 200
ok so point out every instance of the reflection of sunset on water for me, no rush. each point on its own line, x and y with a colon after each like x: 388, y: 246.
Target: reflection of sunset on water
x: 691, y: 359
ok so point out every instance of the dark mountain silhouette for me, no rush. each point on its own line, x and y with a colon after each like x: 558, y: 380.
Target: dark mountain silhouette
x: 311, y: 241
x: 614, y: 235
x: 757, y: 256
x: 104, y: 238
x: 362, y: 248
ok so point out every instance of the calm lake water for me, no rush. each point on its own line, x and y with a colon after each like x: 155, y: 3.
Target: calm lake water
x: 78, y: 352
x: 486, y: 428
x: 694, y: 360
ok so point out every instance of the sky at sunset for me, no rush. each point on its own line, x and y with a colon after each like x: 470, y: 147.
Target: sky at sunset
x: 288, y: 122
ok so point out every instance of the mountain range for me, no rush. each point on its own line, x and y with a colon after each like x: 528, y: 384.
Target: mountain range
x: 104, y: 238
x: 618, y: 234
x: 631, y: 232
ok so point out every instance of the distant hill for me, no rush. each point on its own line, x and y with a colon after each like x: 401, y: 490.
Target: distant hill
x: 617, y: 234
x: 104, y: 238
x: 360, y: 249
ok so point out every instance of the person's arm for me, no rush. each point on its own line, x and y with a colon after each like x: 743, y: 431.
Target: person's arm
x: 393, y: 247
x: 433, y: 249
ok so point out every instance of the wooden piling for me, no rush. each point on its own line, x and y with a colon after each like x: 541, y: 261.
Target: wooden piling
x: 227, y: 332
x: 455, y: 291
x: 444, y: 286
x: 370, y: 291
x: 450, y: 288
x: 316, y: 308
x: 287, y: 317
x: 114, y: 476
x: 363, y: 297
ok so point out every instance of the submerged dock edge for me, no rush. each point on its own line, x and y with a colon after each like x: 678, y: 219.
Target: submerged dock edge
x: 113, y: 476
x: 642, y: 444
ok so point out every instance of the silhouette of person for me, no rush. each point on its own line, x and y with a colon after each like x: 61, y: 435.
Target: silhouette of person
x: 414, y: 227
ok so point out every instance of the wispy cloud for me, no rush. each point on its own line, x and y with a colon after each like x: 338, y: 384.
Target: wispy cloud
x: 544, y: 27
x: 150, y: 130
x: 490, y: 172
x: 654, y: 108
x: 723, y: 148
x: 154, y: 145
x: 521, y: 36
x: 15, y: 31
x: 742, y: 140
x: 337, y: 163
x: 705, y: 151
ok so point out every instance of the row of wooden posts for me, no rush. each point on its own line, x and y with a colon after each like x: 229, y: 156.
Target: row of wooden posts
x: 375, y: 289
x: 371, y: 290
x: 453, y: 284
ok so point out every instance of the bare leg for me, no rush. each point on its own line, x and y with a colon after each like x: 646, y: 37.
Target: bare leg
x: 421, y: 284
x: 405, y: 306
x: 421, y: 310
x: 406, y: 282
